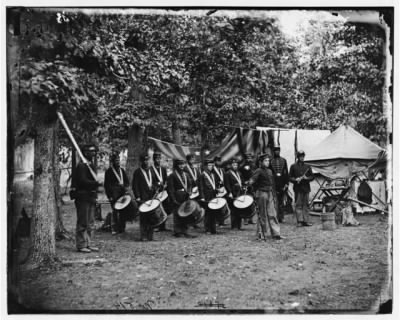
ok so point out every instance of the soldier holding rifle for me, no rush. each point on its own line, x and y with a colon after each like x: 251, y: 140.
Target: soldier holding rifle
x: 300, y: 175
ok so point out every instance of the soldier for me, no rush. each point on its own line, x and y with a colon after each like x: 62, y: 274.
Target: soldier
x: 208, y: 191
x: 160, y: 182
x: 281, y: 174
x: 263, y: 180
x: 300, y: 175
x: 143, y: 189
x: 116, y: 184
x: 178, y: 187
x: 247, y: 170
x: 234, y: 187
x: 85, y: 200
x: 219, y: 174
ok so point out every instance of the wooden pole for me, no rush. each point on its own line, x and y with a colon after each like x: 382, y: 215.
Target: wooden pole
x: 368, y: 205
x: 78, y: 150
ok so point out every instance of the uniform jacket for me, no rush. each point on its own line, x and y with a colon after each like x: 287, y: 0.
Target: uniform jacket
x: 156, y: 180
x: 85, y: 184
x: 297, y: 170
x: 220, y: 183
x: 232, y: 185
x: 176, y: 191
x: 111, y: 184
x: 281, y: 173
x: 139, y: 185
x: 193, y: 182
x: 247, y: 170
x: 206, y: 189
x: 263, y: 179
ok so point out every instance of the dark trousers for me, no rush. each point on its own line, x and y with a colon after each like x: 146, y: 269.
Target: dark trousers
x: 118, y: 222
x: 279, y: 207
x: 179, y: 226
x: 85, y: 210
x: 236, y: 220
x: 210, y: 221
x: 301, y: 207
x: 146, y: 230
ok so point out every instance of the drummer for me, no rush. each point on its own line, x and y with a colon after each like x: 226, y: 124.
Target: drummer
x: 160, y: 182
x: 116, y: 184
x: 143, y: 189
x: 247, y: 170
x: 263, y: 180
x: 208, y: 191
x: 192, y: 172
x: 178, y: 188
x: 234, y: 187
x: 220, y: 182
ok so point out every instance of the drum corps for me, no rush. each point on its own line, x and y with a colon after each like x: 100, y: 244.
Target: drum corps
x: 238, y: 192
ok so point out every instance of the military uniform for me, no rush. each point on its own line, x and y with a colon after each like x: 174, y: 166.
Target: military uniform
x: 234, y: 183
x: 143, y: 189
x: 281, y: 174
x: 116, y: 183
x: 207, y: 188
x: 301, y: 189
x: 178, y: 186
x: 263, y: 182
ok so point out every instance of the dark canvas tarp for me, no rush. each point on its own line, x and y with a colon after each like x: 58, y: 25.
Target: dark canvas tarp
x: 238, y: 142
x: 174, y: 151
x: 343, y: 153
x: 242, y: 141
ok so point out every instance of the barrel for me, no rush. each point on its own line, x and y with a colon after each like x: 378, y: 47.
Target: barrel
x: 328, y: 221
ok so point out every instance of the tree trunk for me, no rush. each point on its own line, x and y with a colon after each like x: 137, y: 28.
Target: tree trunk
x: 135, y: 148
x: 176, y: 133
x: 44, y: 201
x: 61, y: 232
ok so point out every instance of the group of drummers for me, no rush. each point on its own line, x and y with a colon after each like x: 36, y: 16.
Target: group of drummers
x: 239, y: 191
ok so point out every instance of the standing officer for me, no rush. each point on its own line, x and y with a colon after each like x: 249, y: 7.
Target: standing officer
x: 281, y: 174
x: 300, y: 175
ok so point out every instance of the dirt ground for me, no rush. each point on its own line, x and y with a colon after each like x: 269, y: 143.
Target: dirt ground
x: 313, y: 270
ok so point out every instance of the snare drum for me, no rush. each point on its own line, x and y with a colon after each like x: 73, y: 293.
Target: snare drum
x: 153, y: 212
x: 190, y: 213
x: 220, y: 207
x: 126, y: 207
x: 245, y: 206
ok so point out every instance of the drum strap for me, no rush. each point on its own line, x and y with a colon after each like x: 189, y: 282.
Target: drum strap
x: 184, y: 185
x: 193, y: 173
x: 237, y: 177
x: 148, y: 179
x: 119, y: 176
x: 158, y: 174
x: 211, y: 180
x: 219, y: 173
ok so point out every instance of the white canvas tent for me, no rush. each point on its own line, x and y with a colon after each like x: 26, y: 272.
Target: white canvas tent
x: 306, y: 140
x: 343, y: 154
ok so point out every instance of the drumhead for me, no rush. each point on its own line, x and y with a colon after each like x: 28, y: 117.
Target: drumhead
x: 216, y: 203
x: 162, y: 196
x: 122, y: 202
x: 243, y: 201
x: 149, y: 205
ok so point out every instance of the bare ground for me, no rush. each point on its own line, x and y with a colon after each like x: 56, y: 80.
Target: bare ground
x: 313, y: 270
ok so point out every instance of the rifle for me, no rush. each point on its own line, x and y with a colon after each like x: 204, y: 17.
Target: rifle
x: 304, y: 175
